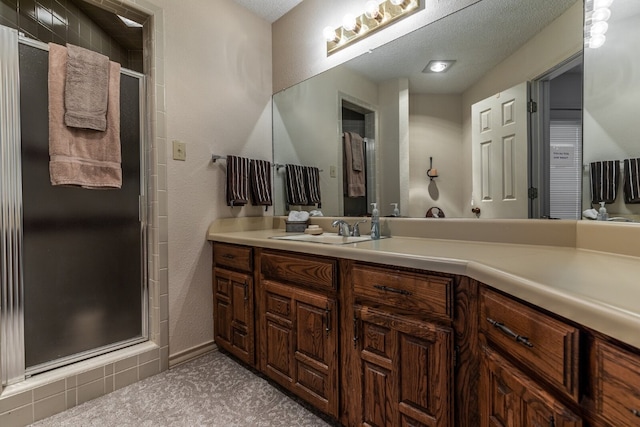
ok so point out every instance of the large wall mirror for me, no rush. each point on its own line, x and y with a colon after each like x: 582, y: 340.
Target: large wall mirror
x: 413, y: 120
x: 611, y: 105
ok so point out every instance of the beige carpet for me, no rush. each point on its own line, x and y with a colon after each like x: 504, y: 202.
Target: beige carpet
x: 212, y: 390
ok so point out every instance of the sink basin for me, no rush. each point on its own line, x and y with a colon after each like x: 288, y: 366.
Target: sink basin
x: 325, y: 238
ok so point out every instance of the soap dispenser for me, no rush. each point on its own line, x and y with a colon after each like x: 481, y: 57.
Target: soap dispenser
x: 602, y: 213
x: 375, y: 222
x: 396, y: 211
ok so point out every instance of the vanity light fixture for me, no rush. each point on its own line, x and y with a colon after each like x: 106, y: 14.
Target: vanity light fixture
x: 438, y: 66
x: 377, y: 14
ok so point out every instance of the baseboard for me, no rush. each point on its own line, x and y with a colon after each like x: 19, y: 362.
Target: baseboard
x: 191, y: 353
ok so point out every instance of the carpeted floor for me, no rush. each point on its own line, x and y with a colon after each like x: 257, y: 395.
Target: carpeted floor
x: 212, y: 390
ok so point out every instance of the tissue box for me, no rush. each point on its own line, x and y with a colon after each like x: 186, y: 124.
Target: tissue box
x: 295, y: 226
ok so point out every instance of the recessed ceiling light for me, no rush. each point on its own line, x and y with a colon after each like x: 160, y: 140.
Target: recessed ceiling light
x: 129, y: 23
x: 438, y: 66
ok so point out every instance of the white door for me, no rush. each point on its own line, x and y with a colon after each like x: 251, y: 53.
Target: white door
x: 499, y: 139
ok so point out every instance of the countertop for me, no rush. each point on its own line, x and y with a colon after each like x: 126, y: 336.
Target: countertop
x: 599, y: 290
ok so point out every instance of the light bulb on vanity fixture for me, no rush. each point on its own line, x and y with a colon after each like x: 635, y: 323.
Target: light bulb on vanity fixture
x: 372, y: 10
x: 350, y: 23
x: 401, y: 3
x: 377, y: 14
x: 330, y: 34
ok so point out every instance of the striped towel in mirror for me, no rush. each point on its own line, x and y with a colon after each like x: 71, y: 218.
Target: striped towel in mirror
x: 632, y: 180
x: 296, y: 191
x: 312, y: 180
x: 604, y: 177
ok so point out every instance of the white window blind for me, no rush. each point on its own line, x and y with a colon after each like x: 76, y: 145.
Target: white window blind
x: 565, y: 169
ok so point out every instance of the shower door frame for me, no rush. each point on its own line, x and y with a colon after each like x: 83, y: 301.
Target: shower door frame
x: 12, y: 348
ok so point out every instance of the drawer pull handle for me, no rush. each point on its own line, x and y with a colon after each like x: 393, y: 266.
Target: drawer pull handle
x: 394, y: 290
x: 246, y: 287
x: 636, y: 412
x: 355, y: 331
x: 509, y: 332
x: 228, y: 256
x: 327, y: 313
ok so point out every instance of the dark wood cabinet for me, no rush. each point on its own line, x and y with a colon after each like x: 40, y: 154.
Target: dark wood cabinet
x: 509, y: 398
x: 405, y: 369
x: 548, y: 347
x: 617, y: 384
x: 403, y: 339
x: 299, y: 327
x: 233, y: 303
x: 378, y: 345
x: 530, y: 365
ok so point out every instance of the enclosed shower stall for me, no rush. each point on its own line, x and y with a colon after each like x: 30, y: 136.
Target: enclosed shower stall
x: 74, y: 281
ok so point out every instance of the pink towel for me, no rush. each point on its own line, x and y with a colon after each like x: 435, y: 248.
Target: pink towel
x: 86, y: 91
x: 82, y: 157
x: 354, y: 180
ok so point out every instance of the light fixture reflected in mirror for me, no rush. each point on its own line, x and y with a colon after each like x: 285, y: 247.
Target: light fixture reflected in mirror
x: 376, y: 15
x: 597, y: 13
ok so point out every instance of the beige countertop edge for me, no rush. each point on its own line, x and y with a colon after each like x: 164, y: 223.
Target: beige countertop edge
x: 616, y: 322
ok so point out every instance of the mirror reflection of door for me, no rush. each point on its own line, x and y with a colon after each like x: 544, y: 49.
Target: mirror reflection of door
x: 557, y: 142
x: 359, y: 121
x: 499, y: 154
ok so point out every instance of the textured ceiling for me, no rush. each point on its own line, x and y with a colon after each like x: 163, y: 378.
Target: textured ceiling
x: 270, y: 10
x: 478, y: 37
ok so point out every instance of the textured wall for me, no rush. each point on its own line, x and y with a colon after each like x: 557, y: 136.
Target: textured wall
x: 217, y: 60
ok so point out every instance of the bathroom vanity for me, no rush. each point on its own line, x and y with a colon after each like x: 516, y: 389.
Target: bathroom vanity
x: 415, y: 331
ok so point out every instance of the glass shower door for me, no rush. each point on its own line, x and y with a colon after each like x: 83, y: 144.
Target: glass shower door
x: 83, y: 250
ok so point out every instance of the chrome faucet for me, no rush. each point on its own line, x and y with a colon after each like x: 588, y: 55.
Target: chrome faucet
x: 345, y: 230
x: 355, y: 231
x: 343, y: 227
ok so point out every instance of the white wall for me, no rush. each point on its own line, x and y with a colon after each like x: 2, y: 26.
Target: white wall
x: 300, y: 51
x: 217, y: 65
x: 392, y: 146
x: 435, y: 130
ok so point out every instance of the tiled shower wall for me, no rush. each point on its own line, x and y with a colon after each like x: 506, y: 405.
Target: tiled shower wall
x: 49, y: 393
x: 61, y: 22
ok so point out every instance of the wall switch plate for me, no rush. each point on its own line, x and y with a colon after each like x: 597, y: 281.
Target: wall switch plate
x: 179, y: 150
x: 332, y: 171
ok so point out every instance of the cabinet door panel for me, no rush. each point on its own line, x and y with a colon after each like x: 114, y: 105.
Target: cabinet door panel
x: 300, y: 343
x: 311, y: 322
x: 510, y: 398
x: 416, y: 358
x: 279, y: 351
x: 377, y: 396
x: 233, y: 313
x: 222, y: 321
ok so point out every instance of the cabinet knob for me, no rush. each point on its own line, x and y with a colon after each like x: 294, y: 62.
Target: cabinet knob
x: 636, y: 412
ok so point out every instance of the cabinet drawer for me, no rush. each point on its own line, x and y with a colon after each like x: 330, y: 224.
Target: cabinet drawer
x: 316, y: 272
x: 617, y: 387
x: 233, y: 256
x: 415, y: 292
x: 547, y: 347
